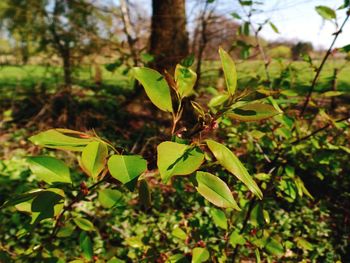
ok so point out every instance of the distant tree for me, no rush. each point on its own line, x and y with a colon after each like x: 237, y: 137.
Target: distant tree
x: 67, y: 29
x: 169, y: 38
x: 301, y: 48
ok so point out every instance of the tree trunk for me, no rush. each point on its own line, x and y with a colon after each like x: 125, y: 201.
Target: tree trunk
x: 169, y: 38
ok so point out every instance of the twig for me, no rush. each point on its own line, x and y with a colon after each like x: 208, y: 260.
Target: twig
x: 317, y: 131
x: 79, y: 197
x: 329, y: 51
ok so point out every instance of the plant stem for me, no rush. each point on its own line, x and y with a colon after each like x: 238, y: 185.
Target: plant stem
x: 79, y: 197
x: 329, y: 51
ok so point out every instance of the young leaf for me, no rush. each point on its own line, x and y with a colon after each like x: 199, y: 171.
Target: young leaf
x: 185, y: 79
x: 93, y: 158
x: 229, y: 69
x: 326, y: 12
x: 215, y: 190
x: 274, y: 28
x: 110, y: 198
x: 228, y: 160
x: 125, y: 168
x: 179, y: 233
x: 156, y: 87
x: 236, y: 239
x: 63, y: 139
x: 236, y: 15
x: 177, y: 159
x: 253, y: 112
x: 86, y: 245
x: 218, y: 100
x: 84, y: 224
x: 219, y: 218
x: 200, y: 255
x: 49, y: 169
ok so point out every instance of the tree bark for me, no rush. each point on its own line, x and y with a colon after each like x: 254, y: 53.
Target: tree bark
x: 169, y: 38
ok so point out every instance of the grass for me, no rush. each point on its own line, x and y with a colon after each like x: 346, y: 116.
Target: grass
x: 28, y: 77
x: 299, y: 76
x: 17, y: 79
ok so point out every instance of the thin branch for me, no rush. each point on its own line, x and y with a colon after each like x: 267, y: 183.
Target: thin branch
x: 318, y: 130
x: 329, y: 51
x: 79, y: 197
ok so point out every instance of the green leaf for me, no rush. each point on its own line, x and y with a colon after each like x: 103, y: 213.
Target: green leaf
x: 236, y: 15
x: 47, y: 204
x: 66, y: 230
x: 326, y: 12
x: 218, y: 100
x: 274, y: 247
x: 303, y: 244
x: 257, y: 255
x: 113, y: 66
x: 245, y: 28
x: 199, y: 255
x: 274, y: 28
x: 147, y: 58
x: 236, y: 239
x: 63, y: 139
x: 156, y: 87
x: 188, y: 61
x: 177, y: 159
x: 86, y: 245
x: 125, y: 168
x: 49, y: 169
x: 219, y: 218
x: 289, y: 188
x: 21, y: 198
x: 115, y: 260
x: 345, y: 48
x: 110, y: 198
x: 257, y: 216
x: 176, y: 258
x: 185, y: 79
x: 215, y: 190
x: 301, y: 188
x: 179, y: 233
x: 333, y: 93
x: 228, y: 160
x: 93, y: 158
x: 253, y: 112
x: 84, y: 224
x: 245, y: 2
x: 346, y: 3
x: 229, y: 69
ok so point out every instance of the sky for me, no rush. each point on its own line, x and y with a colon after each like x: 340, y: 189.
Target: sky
x: 296, y: 20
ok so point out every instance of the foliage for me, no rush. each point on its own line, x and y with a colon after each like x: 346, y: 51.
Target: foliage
x: 249, y: 176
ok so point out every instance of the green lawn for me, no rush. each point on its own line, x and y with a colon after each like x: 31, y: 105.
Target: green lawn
x: 25, y: 78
